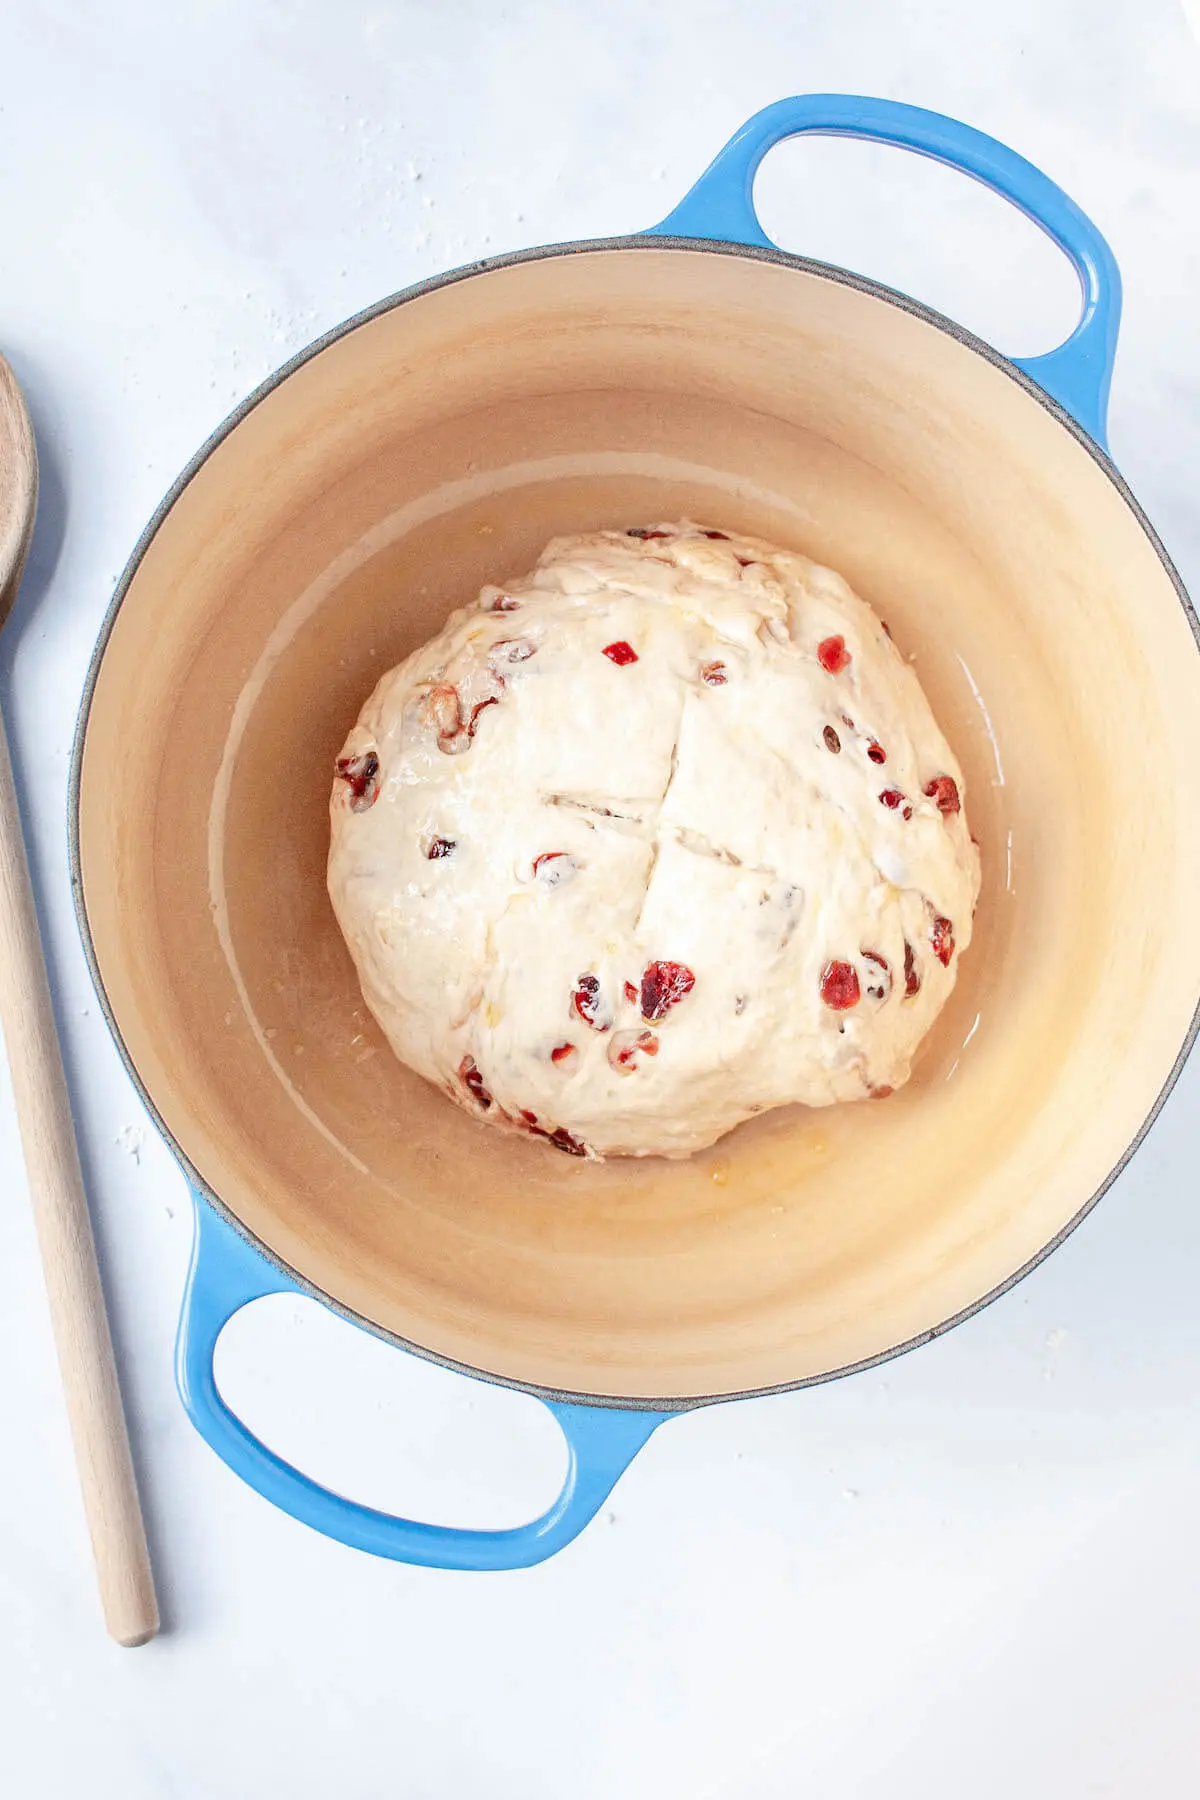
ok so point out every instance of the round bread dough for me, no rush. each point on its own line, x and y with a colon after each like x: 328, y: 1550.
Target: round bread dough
x: 656, y: 838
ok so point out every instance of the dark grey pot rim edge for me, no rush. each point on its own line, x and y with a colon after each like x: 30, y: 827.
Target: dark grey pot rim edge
x: 805, y: 265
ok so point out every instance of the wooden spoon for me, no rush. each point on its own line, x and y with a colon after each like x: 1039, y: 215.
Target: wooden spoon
x: 85, y: 1352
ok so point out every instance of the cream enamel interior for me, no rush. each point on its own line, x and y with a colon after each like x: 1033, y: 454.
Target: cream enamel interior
x: 439, y: 445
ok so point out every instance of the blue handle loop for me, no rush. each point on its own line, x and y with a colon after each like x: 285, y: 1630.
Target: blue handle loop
x: 721, y: 205
x: 226, y: 1274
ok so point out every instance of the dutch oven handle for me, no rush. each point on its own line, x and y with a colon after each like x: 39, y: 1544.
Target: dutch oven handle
x: 227, y: 1273
x: 721, y: 206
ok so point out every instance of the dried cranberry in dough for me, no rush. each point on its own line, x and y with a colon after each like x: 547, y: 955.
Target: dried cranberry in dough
x: 833, y: 655
x: 941, y: 936
x: 664, y: 985
x: 625, y: 1048
x: 943, y: 791
x: 562, y: 1139
x: 361, y: 776
x: 553, y: 867
x: 839, y: 986
x: 877, y: 976
x: 912, y: 981
x: 472, y: 1080
x: 588, y: 1002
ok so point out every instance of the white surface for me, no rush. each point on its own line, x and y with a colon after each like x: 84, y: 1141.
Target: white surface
x: 974, y: 1572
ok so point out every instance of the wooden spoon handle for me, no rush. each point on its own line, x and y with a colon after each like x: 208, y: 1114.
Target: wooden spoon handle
x: 64, y: 1228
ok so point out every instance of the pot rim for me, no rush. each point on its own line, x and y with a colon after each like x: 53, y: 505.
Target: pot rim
x: 633, y: 242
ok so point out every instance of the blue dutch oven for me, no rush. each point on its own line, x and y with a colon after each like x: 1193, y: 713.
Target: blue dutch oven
x: 436, y: 441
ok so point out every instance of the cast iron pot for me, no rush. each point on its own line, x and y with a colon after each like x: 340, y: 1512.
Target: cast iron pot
x: 436, y: 441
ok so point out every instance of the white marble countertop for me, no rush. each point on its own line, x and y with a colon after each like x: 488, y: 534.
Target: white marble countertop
x: 975, y: 1571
